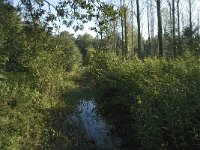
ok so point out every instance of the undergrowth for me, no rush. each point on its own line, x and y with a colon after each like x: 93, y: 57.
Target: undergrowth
x: 153, y: 103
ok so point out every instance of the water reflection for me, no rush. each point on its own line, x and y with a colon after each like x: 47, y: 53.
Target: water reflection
x: 88, y: 127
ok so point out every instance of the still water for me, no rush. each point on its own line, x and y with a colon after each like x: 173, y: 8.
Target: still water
x: 88, y: 130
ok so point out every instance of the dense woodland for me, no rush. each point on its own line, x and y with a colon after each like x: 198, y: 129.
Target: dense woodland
x: 146, y: 84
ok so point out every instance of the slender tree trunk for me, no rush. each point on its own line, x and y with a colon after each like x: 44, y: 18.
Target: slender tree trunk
x: 191, y: 41
x: 173, y: 28
x: 132, y: 29
x: 148, y: 26
x: 178, y: 26
x: 152, y: 25
x: 114, y: 37
x: 160, y: 39
x: 198, y: 33
x: 122, y: 27
x: 125, y: 30
x: 152, y: 19
x: 198, y: 24
x: 101, y: 39
x: 190, y: 14
x: 138, y: 23
x: 170, y: 17
x: 178, y: 17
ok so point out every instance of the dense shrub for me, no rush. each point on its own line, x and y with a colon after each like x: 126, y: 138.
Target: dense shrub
x: 65, y: 44
x: 32, y: 106
x: 161, y: 96
x: 20, y: 122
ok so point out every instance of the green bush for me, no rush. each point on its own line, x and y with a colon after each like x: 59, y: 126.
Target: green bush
x: 20, y: 121
x: 162, y: 99
x: 32, y: 107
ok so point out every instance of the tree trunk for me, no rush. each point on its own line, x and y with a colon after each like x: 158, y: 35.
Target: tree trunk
x: 122, y: 26
x: 190, y: 14
x: 138, y: 23
x: 148, y: 27
x: 152, y: 19
x: 173, y: 28
x: 132, y: 35
x: 151, y: 23
x: 125, y: 30
x: 160, y: 40
x: 178, y: 27
x: 114, y: 38
x: 198, y: 24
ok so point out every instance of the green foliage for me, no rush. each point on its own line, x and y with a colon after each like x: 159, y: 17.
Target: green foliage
x: 33, y: 77
x: 30, y: 118
x: 89, y: 55
x: 9, y: 25
x: 85, y: 42
x: 20, y: 121
x: 32, y: 107
x: 161, y: 97
x: 69, y: 56
x: 48, y: 74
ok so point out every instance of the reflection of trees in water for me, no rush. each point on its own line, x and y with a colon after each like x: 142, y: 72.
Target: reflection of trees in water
x: 87, y: 130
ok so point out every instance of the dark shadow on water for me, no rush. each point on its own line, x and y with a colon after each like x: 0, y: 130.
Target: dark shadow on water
x: 84, y: 126
x: 89, y: 130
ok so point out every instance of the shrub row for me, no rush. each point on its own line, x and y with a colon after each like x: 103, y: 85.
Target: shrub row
x: 157, y: 100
